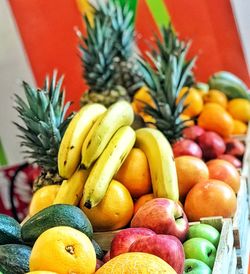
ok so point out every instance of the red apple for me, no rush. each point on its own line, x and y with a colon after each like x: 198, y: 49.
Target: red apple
x: 193, y: 132
x: 163, y: 216
x: 124, y: 238
x: 234, y: 147
x: 212, y: 145
x: 106, y: 257
x: 167, y: 247
x: 186, y: 147
x: 231, y: 159
x: 99, y: 263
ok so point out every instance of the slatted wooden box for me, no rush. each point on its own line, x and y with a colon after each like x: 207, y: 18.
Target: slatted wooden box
x: 225, y: 261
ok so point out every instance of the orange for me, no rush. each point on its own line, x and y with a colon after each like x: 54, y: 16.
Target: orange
x: 186, y: 118
x: 43, y: 198
x: 41, y: 272
x: 190, y: 171
x: 63, y: 250
x: 210, y: 198
x: 193, y: 100
x: 217, y: 97
x: 215, y: 118
x: 224, y: 171
x: 239, y: 127
x: 134, y: 173
x: 114, y: 211
x: 142, y: 200
x: 136, y: 263
x: 239, y: 108
x: 142, y: 97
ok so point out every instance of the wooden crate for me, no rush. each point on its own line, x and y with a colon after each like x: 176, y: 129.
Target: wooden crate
x: 225, y: 261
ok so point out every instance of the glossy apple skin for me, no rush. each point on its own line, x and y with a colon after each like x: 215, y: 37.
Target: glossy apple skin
x: 124, y: 238
x: 200, y: 249
x: 193, y: 266
x: 186, y: 147
x: 167, y: 247
x: 231, y: 159
x: 193, y: 132
x: 234, y: 147
x: 163, y: 216
x: 212, y: 145
x: 204, y: 231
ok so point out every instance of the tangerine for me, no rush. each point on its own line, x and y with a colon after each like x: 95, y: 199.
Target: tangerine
x: 193, y: 100
x: 142, y: 200
x: 190, y: 171
x: 210, y: 198
x: 215, y: 118
x: 239, y: 108
x: 134, y: 173
x: 141, y: 98
x: 114, y: 211
x: 239, y: 127
x: 217, y: 97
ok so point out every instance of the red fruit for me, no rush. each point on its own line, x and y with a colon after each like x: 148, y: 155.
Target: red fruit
x: 106, y: 257
x: 186, y: 147
x: 212, y: 145
x: 193, y: 132
x: 124, y: 238
x: 163, y: 216
x: 234, y: 147
x: 167, y: 247
x: 99, y: 263
x: 231, y: 159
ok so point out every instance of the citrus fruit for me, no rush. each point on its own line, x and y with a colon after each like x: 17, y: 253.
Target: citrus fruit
x: 114, y: 211
x: 41, y: 272
x: 215, y: 118
x: 239, y: 127
x: 190, y: 171
x: 136, y: 263
x: 217, y: 97
x: 210, y: 198
x: 224, y: 171
x: 63, y: 250
x: 193, y: 100
x: 43, y: 198
x: 142, y: 200
x: 187, y: 120
x: 142, y: 97
x: 239, y: 108
x: 134, y: 173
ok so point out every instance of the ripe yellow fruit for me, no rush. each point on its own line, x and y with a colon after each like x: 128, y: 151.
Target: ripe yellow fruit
x: 239, y: 127
x: 43, y: 198
x: 41, y: 272
x: 63, y: 250
x: 136, y: 263
x: 114, y: 211
x: 193, y: 100
x: 217, y: 97
x: 239, y: 108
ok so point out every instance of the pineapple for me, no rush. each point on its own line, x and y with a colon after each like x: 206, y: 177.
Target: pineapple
x: 165, y: 76
x: 108, y: 55
x: 44, y: 125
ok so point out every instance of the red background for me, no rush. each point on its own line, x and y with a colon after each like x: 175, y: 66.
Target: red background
x: 47, y: 31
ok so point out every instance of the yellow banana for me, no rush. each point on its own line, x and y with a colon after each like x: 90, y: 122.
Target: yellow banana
x: 69, y: 155
x: 107, y: 165
x: 161, y: 162
x: 118, y: 115
x: 70, y: 191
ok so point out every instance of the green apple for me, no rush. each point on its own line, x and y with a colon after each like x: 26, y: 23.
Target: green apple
x: 200, y: 249
x: 204, y: 231
x: 193, y: 266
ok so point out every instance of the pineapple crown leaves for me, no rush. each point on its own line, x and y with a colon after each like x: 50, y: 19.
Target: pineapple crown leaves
x: 44, y: 121
x: 165, y: 76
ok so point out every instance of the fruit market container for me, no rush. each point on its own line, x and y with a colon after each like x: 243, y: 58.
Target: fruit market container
x: 225, y: 261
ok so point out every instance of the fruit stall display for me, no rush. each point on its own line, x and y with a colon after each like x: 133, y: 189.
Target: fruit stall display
x: 151, y: 175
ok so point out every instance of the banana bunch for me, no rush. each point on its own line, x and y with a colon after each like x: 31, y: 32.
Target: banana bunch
x: 230, y: 84
x: 94, y: 146
x: 161, y: 162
